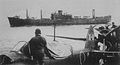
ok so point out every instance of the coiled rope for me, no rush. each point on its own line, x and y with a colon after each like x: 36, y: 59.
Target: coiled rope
x: 84, y: 57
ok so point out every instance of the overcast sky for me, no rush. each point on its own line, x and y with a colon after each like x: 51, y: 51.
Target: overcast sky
x: 74, y: 7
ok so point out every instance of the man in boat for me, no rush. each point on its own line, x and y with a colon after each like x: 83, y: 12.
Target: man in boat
x: 38, y: 47
x: 114, y: 36
x: 109, y: 40
x: 113, y: 25
x: 103, y: 40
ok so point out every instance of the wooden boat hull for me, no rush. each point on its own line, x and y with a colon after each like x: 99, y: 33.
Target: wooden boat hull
x: 86, y: 58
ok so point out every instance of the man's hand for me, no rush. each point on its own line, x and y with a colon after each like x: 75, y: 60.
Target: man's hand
x: 52, y: 58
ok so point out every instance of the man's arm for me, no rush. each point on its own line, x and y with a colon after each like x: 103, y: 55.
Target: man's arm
x: 46, y: 49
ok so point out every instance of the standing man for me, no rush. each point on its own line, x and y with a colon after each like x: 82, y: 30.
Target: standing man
x: 113, y: 25
x: 38, y: 47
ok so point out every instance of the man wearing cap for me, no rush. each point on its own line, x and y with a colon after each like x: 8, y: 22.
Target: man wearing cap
x: 38, y: 47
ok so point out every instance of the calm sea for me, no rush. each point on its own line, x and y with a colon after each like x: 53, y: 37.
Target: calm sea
x: 9, y: 36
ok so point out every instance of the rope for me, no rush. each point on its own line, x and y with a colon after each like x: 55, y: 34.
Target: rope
x: 80, y: 59
x: 84, y: 58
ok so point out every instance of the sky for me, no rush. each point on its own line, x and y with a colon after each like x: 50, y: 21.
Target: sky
x: 74, y: 7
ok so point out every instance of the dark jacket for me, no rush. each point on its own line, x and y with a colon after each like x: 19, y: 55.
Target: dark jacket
x: 37, y: 44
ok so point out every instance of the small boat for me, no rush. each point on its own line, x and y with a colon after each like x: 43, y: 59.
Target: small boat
x: 88, y: 56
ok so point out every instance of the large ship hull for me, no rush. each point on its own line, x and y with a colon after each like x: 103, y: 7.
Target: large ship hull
x: 16, y: 22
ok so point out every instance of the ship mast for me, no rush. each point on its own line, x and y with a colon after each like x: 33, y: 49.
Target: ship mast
x: 41, y: 14
x: 93, y: 13
x: 27, y: 17
x: 54, y: 19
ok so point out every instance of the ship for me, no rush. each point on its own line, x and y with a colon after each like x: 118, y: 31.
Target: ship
x: 58, y: 18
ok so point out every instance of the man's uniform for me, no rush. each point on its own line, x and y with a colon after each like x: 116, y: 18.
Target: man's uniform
x: 37, y: 45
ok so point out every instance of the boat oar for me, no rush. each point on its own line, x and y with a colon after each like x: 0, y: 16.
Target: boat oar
x: 83, y: 39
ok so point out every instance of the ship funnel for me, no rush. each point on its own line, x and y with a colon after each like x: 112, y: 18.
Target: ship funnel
x: 60, y: 12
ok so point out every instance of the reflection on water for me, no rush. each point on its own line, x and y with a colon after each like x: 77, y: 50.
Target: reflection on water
x: 10, y: 36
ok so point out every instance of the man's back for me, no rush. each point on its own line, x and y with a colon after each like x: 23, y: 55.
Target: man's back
x: 37, y: 44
